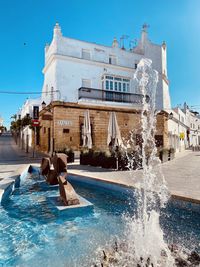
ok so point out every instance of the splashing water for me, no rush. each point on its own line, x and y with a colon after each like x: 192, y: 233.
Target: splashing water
x: 146, y: 245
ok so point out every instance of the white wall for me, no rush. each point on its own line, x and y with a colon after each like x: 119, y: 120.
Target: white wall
x: 64, y: 67
x: 27, y: 107
x: 177, y: 126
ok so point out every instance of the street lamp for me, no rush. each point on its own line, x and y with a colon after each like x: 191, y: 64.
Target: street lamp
x: 170, y: 116
x: 43, y: 105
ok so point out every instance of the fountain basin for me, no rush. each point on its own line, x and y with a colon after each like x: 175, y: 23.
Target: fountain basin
x: 33, y: 232
x: 72, y: 210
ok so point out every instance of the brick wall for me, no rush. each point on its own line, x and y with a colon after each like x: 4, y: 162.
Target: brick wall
x: 73, y: 115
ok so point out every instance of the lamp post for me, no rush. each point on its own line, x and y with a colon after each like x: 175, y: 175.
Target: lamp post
x: 170, y: 116
x: 44, y: 105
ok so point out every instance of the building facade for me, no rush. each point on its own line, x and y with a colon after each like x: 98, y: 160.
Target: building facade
x: 193, y: 123
x: 87, y: 73
x: 61, y: 125
x: 29, y: 107
x: 178, y: 131
x: 184, y: 129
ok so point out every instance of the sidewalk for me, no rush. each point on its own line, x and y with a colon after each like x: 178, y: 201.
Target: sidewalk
x: 182, y: 175
x: 12, y: 157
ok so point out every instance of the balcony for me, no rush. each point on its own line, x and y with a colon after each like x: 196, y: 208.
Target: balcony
x: 112, y: 96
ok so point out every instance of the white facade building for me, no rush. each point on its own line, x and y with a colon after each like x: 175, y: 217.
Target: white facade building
x: 79, y: 71
x: 1, y: 124
x: 26, y: 132
x: 178, y: 130
x: 184, y: 129
x: 28, y: 106
x: 193, y: 123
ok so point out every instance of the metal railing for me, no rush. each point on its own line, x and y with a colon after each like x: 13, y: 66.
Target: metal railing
x: 113, y: 96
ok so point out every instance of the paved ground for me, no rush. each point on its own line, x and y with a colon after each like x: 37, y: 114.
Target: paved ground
x: 182, y: 174
x: 12, y: 158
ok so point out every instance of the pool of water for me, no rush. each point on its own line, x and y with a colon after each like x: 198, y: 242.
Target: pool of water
x: 33, y: 233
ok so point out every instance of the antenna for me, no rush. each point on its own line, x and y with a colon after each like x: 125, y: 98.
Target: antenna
x: 132, y: 44
x: 122, y: 38
x: 145, y: 26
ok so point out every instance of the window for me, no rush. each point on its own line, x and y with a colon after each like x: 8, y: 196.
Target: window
x: 124, y: 87
x: 109, y: 77
x: 86, y: 83
x: 111, y: 85
x: 65, y: 130
x: 117, y: 84
x: 118, y: 79
x: 127, y: 87
x: 112, y: 59
x: 86, y: 54
x: 120, y: 86
x: 107, y: 85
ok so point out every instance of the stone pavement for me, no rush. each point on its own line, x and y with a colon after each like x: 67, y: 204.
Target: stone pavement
x: 12, y: 157
x: 182, y: 175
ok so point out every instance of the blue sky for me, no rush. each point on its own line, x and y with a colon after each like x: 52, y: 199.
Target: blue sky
x: 32, y: 21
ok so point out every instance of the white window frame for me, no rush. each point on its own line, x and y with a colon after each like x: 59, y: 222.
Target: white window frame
x: 116, y: 83
x: 112, y: 60
x: 86, y: 54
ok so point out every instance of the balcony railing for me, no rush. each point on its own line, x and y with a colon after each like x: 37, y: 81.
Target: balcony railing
x: 113, y: 96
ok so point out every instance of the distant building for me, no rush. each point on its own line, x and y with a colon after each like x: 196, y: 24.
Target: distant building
x: 87, y: 73
x: 26, y: 133
x: 1, y: 121
x: 193, y: 123
x: 184, y: 129
x: 178, y: 131
x: 1, y: 125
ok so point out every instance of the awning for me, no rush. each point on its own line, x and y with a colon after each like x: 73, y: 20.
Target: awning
x: 114, y: 137
x: 87, y: 139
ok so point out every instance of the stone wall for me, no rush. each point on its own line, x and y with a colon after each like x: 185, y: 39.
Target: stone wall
x: 68, y: 118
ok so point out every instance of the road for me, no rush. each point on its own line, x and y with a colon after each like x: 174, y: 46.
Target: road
x: 12, y: 157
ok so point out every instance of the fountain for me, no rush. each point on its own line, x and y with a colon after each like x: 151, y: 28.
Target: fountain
x: 144, y: 244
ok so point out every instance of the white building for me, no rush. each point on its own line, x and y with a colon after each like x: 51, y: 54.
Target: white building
x: 27, y: 110
x: 193, y: 123
x: 178, y: 130
x: 184, y: 129
x: 79, y: 71
x: 1, y: 124
x: 28, y: 107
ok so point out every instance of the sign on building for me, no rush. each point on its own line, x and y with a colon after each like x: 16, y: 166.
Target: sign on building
x: 64, y: 122
x: 35, y: 112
